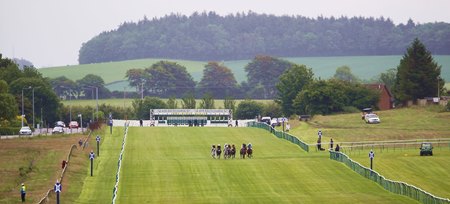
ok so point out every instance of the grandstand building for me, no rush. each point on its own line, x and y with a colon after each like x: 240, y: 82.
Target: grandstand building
x: 191, y: 117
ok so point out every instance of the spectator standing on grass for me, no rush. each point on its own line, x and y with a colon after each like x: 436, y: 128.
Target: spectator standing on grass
x: 331, y: 143
x: 237, y: 123
x: 23, y: 192
x: 80, y: 142
x: 141, y: 123
x: 337, y: 148
x: 319, y: 144
x: 288, y: 127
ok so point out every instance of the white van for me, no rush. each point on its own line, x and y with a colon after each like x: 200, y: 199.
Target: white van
x: 266, y: 120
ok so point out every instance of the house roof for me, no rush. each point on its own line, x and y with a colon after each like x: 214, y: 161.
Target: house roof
x: 380, y: 87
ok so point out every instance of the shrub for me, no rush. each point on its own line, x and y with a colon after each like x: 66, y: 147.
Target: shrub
x: 9, y: 130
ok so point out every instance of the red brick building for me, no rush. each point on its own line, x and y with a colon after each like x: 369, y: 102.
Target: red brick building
x: 386, y: 99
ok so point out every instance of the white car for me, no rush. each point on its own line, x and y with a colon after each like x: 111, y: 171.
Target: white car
x: 25, y: 130
x: 371, y: 118
x: 58, y: 129
x: 266, y: 120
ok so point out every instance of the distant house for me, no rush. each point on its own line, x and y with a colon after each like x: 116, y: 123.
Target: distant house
x: 386, y: 98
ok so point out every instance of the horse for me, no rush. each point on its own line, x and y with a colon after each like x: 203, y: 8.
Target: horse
x: 213, y: 151
x: 226, y: 151
x: 249, y: 153
x: 233, y: 151
x: 218, y: 151
x: 243, y: 151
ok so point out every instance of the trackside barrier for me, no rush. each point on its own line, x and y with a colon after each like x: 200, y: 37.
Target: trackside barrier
x: 390, y: 185
x: 280, y: 134
x: 119, y: 163
x: 45, y: 198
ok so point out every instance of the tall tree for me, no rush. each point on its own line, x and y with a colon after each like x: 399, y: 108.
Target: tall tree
x: 136, y: 77
x: 418, y: 75
x: 229, y: 103
x: 388, y: 78
x: 188, y: 101
x: 172, y: 103
x: 344, y: 73
x: 7, y: 102
x: 62, y: 86
x: 142, y: 107
x: 265, y: 71
x: 168, y: 79
x: 90, y: 83
x: 291, y: 83
x: 217, y: 80
x: 207, y: 102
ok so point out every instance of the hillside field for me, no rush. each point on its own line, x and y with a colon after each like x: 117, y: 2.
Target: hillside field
x: 364, y: 67
x: 173, y: 165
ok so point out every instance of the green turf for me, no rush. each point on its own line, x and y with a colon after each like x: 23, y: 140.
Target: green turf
x: 99, y: 188
x: 397, y: 124
x: 364, y: 67
x: 173, y: 165
x: 429, y: 173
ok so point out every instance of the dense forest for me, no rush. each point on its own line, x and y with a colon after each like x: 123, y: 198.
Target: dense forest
x: 208, y: 36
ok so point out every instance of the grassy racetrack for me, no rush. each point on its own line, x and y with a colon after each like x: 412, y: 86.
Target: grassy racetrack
x: 173, y: 165
x: 429, y: 173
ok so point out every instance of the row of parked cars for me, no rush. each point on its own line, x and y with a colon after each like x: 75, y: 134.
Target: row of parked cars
x: 58, y: 128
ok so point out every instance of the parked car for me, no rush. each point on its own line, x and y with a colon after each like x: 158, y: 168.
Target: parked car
x: 266, y: 120
x: 57, y: 130
x: 274, y: 122
x: 25, y: 130
x: 371, y: 118
x: 73, y: 124
x: 426, y: 149
x: 60, y: 124
x: 365, y: 111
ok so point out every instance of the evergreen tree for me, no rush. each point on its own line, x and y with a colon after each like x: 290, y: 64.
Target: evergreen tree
x: 418, y: 75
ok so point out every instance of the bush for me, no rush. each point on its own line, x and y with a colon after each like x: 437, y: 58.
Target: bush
x: 350, y: 109
x: 9, y: 130
x: 248, y: 109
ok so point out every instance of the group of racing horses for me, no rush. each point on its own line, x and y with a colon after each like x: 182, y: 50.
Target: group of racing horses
x: 229, y: 151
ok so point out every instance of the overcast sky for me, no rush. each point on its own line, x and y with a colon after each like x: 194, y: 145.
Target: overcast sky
x: 51, y: 32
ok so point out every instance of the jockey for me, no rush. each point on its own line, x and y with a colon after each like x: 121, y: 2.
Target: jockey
x: 249, y: 145
x: 218, y: 151
x: 213, y: 151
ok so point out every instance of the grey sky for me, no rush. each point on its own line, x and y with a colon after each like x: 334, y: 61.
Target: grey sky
x: 50, y: 32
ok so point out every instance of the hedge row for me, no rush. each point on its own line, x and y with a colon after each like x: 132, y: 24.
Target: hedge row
x: 9, y: 130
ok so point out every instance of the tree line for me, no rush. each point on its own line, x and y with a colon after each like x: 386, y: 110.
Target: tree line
x: 208, y: 36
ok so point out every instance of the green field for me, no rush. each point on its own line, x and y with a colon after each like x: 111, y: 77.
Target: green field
x: 397, y: 124
x: 173, y: 165
x: 365, y: 67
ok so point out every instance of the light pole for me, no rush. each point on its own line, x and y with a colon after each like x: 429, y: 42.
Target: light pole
x: 23, y: 114
x: 33, y: 103
x: 70, y: 105
x: 96, y: 98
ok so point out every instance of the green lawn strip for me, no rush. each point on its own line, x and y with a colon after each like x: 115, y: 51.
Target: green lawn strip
x: 429, y: 173
x: 397, y: 124
x: 173, y: 165
x: 99, y: 188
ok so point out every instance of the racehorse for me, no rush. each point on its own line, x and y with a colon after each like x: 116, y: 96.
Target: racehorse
x: 249, y: 153
x: 218, y: 151
x: 233, y: 151
x: 213, y: 151
x: 243, y: 151
x: 226, y: 151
